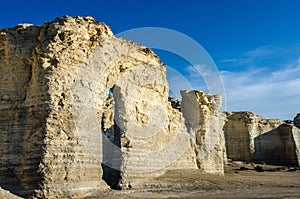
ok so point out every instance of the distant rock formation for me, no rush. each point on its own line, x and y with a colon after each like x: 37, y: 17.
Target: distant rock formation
x: 81, y: 110
x: 250, y: 137
x: 240, y: 131
x: 279, y: 146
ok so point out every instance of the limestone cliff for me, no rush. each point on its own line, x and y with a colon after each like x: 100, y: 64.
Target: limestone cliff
x: 23, y: 105
x: 78, y: 105
x: 250, y: 137
x: 279, y: 146
x: 42, y: 149
x: 83, y: 111
x: 240, y: 131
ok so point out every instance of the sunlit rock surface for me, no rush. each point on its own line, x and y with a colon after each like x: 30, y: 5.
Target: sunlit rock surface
x: 205, y: 124
x: 83, y: 111
x: 240, y: 131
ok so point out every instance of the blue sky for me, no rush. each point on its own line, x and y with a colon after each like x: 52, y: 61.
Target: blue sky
x: 254, y: 43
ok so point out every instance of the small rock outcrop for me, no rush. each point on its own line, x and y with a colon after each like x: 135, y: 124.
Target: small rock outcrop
x: 240, y: 130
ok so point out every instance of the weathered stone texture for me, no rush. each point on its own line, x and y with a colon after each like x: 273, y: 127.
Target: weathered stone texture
x: 205, y: 122
x: 240, y: 131
x: 280, y: 146
x: 81, y: 110
x: 60, y: 130
x: 23, y: 106
x: 43, y: 151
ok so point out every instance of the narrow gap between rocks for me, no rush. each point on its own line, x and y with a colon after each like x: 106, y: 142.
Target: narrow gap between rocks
x: 111, y: 144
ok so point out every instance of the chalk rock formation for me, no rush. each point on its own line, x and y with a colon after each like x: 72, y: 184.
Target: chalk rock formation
x: 40, y: 134
x: 240, y: 131
x: 205, y: 122
x: 297, y: 120
x: 280, y: 146
x: 78, y: 105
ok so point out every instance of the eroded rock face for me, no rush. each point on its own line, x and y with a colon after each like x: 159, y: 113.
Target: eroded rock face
x: 83, y: 111
x: 23, y: 108
x: 44, y: 149
x: 76, y: 101
x: 240, y: 131
x: 205, y: 123
x: 280, y: 146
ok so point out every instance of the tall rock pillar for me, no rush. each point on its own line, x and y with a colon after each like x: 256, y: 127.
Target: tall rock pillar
x: 205, y: 123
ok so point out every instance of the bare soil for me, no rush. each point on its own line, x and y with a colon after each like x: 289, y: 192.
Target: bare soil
x: 240, y: 181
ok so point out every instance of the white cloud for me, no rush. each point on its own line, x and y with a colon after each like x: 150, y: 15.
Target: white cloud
x: 271, y: 94
x: 190, y: 78
x: 177, y: 82
x: 261, y: 56
x: 262, y: 51
x: 288, y: 73
x: 198, y: 71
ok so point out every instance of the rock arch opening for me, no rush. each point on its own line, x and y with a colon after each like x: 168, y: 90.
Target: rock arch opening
x: 111, y: 143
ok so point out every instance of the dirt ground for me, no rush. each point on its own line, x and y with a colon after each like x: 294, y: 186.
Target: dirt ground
x: 240, y: 181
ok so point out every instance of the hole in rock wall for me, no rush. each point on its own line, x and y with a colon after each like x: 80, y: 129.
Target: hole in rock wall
x: 111, y: 143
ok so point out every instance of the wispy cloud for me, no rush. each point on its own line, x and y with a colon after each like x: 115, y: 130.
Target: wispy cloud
x: 263, y: 56
x: 257, y: 85
x: 262, y: 51
x: 197, y: 70
x: 271, y: 94
x: 190, y: 78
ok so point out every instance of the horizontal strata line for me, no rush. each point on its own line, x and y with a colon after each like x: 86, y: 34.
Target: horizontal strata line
x: 15, y: 146
x: 76, y: 163
x: 73, y: 180
x: 86, y: 156
x: 24, y: 151
x: 71, y: 164
x: 30, y: 181
x: 23, y: 159
x: 27, y: 104
x: 28, y: 171
x: 80, y: 187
